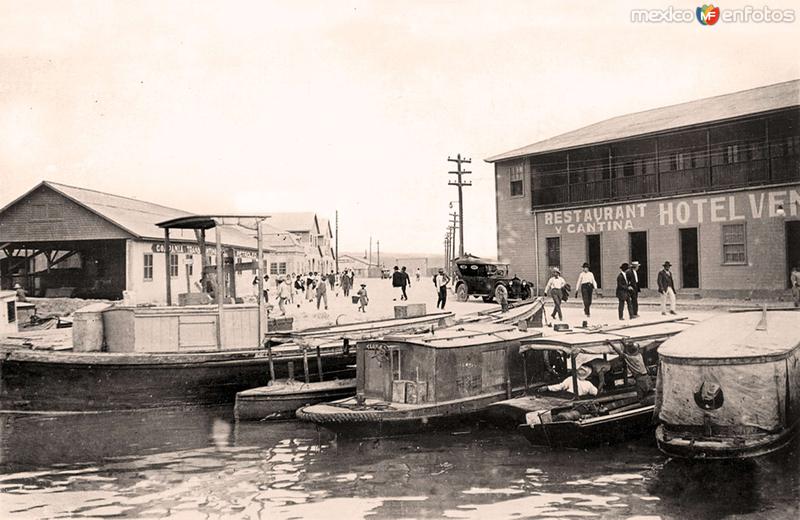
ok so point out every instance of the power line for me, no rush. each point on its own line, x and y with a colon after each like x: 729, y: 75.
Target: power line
x: 461, y: 184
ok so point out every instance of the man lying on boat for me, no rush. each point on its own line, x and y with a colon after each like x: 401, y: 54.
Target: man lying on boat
x: 584, y: 387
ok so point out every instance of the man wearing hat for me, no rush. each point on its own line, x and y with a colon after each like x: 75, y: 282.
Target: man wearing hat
x: 623, y: 291
x: 440, y: 281
x: 632, y: 354
x: 585, y: 387
x: 586, y: 284
x: 20, y: 293
x: 666, y: 286
x: 555, y: 288
x: 633, y: 282
x: 363, y: 298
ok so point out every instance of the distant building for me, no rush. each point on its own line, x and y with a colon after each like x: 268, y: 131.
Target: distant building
x: 359, y: 266
x: 713, y: 186
x: 314, y: 236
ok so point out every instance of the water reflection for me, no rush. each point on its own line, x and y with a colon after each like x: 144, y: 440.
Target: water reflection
x: 200, y: 464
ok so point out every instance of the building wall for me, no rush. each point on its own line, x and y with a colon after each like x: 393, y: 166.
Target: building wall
x: 662, y: 219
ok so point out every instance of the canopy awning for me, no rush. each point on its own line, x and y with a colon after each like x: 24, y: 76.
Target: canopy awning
x: 211, y: 221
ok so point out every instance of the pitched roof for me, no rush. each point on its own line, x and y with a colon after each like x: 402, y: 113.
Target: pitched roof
x: 325, y: 226
x: 139, y: 217
x: 296, y: 222
x: 717, y: 108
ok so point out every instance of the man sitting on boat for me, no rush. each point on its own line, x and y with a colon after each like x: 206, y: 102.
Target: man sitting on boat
x: 632, y: 354
x: 584, y: 387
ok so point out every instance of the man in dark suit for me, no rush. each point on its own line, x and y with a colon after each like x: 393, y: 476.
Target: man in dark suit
x: 623, y: 291
x: 666, y: 286
x: 632, y: 275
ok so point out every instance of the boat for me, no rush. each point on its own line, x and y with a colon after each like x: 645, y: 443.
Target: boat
x: 559, y: 419
x: 729, y: 388
x: 121, y: 357
x: 417, y: 382
x: 281, y: 399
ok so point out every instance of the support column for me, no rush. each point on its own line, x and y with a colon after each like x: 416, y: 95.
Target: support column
x: 260, y: 274
x: 167, y: 265
x: 220, y: 285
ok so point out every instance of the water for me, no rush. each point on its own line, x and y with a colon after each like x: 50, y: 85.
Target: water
x: 201, y: 464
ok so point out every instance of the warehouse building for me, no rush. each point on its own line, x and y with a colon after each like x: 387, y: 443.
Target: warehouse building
x: 713, y: 186
x: 59, y: 240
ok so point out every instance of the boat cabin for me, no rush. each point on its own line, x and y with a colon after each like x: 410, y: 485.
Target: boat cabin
x: 443, y: 365
x: 8, y: 312
x: 730, y: 386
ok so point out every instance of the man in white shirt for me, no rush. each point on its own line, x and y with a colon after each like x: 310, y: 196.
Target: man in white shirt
x: 440, y: 281
x: 584, y: 387
x: 555, y: 287
x: 586, y: 284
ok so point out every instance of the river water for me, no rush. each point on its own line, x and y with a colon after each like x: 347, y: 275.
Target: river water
x: 200, y: 463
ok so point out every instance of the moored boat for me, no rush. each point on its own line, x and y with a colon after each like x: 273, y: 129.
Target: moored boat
x: 611, y: 409
x: 729, y: 388
x: 281, y: 399
x: 412, y: 383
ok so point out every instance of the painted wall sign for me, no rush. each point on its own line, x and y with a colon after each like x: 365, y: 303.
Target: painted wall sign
x: 722, y: 208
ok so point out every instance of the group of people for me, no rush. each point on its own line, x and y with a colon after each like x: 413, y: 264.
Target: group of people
x: 311, y: 287
x: 627, y: 291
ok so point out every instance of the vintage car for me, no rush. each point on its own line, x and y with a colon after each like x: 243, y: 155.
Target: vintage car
x: 478, y: 277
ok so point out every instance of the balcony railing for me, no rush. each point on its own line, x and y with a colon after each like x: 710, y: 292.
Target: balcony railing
x: 673, y: 182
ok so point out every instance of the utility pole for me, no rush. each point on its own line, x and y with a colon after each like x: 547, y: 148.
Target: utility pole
x: 455, y: 223
x: 460, y: 183
x: 379, y: 254
x: 446, y: 249
x: 337, y: 242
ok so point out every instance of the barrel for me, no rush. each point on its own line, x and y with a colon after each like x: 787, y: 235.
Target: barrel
x: 87, y: 328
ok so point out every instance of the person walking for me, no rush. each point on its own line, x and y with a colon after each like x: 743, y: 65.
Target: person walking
x: 623, y: 291
x: 298, y: 289
x: 363, y: 298
x: 795, y: 279
x: 345, y: 282
x: 633, y: 282
x: 502, y: 297
x: 332, y: 279
x: 440, y: 281
x: 397, y: 281
x: 555, y: 288
x: 284, y: 294
x: 406, y: 282
x: 666, y: 286
x: 322, y: 293
x: 310, y: 287
x: 418, y: 274
x: 586, y: 284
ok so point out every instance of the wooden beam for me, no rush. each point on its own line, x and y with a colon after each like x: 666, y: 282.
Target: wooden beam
x: 166, y: 259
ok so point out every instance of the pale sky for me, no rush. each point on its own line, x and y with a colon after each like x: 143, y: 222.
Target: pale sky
x: 316, y: 106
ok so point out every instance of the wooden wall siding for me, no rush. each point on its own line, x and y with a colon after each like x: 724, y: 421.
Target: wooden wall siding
x: 36, y: 218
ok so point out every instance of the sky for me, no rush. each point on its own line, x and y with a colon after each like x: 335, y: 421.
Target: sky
x: 257, y: 107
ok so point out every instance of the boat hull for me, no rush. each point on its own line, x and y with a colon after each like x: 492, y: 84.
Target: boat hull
x: 597, y: 431
x: 260, y: 404
x: 674, y: 445
x: 81, y: 382
x: 385, y: 420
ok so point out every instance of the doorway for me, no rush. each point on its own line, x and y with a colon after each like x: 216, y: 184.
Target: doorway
x: 638, y: 252
x: 690, y: 272
x: 792, y: 248
x: 594, y: 258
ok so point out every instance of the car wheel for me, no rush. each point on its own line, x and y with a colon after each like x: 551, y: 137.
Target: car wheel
x: 496, y: 291
x: 462, y: 294
x: 488, y: 299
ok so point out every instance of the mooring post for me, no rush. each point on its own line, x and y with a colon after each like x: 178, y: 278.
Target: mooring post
x: 319, y: 362
x: 305, y: 364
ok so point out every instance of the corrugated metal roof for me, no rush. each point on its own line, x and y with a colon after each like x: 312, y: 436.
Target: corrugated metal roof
x: 139, y: 217
x: 717, y: 108
x: 296, y: 222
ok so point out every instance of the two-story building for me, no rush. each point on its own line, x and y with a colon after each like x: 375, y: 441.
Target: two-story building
x: 712, y: 186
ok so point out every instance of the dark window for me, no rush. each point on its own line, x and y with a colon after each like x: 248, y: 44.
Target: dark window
x: 148, y: 266
x: 189, y: 265
x: 173, y: 266
x: 281, y: 267
x: 12, y: 311
x: 554, y: 252
x: 273, y: 268
x: 734, y: 250
x: 517, y: 188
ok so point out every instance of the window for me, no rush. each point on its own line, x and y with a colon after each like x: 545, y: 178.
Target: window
x: 273, y: 268
x: 173, y: 266
x: 148, y: 266
x: 11, y: 307
x: 281, y: 267
x: 189, y: 265
x: 554, y: 252
x: 732, y: 154
x: 516, y: 181
x: 38, y: 212
x: 733, y: 244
